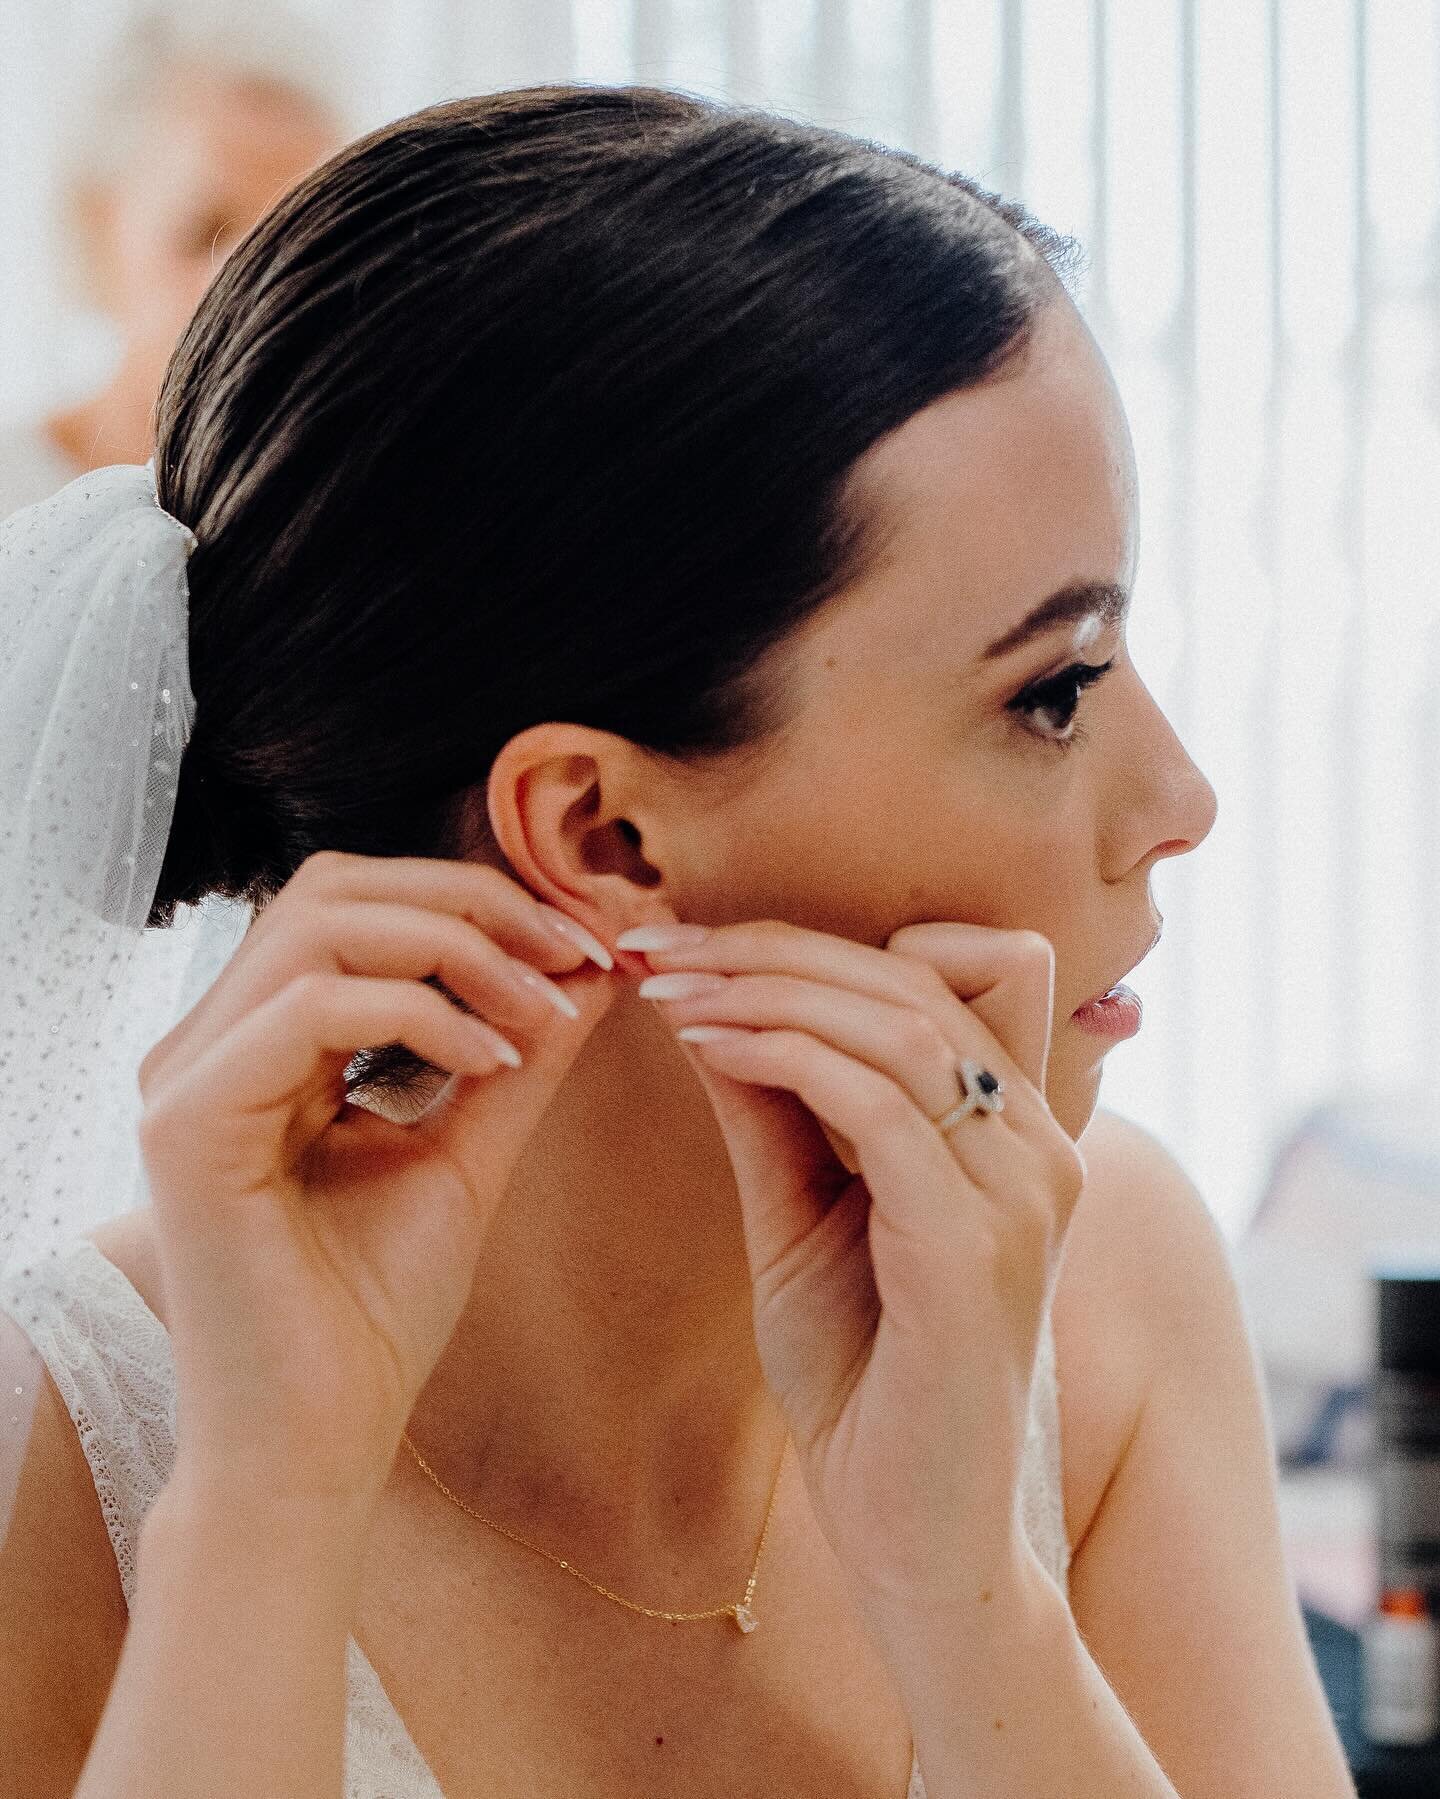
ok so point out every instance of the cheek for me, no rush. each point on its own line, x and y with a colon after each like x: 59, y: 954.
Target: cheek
x: 999, y: 863
x: 865, y: 831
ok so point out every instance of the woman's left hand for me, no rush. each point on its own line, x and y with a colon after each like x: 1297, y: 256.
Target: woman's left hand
x: 900, y: 1291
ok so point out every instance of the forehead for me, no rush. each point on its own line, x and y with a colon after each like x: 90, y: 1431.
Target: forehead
x: 991, y: 499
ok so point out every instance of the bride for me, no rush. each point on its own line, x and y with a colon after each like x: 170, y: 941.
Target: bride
x: 635, y: 1295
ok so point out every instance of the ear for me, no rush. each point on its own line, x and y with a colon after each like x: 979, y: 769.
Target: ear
x: 576, y: 812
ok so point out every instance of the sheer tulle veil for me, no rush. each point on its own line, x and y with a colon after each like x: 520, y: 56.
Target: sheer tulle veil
x: 95, y: 710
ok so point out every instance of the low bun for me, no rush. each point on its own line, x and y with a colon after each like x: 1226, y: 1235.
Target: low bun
x: 201, y: 854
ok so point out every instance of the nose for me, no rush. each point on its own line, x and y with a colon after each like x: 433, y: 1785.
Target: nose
x: 1168, y: 807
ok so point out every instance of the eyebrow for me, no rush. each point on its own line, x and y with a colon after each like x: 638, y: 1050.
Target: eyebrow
x: 1068, y: 605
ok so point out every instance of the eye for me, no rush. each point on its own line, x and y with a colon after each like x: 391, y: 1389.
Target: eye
x: 1050, y: 706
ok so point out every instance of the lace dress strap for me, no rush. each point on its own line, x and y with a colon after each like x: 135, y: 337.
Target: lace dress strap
x: 1042, y: 1493
x: 110, y: 1357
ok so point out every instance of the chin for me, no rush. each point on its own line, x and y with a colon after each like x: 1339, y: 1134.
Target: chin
x: 1072, y: 1096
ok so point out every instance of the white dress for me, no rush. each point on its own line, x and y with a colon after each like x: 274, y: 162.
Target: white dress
x: 109, y: 1355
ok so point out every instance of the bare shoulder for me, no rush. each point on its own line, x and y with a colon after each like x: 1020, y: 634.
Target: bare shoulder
x: 129, y: 1242
x: 1133, y: 1230
x: 62, y: 1608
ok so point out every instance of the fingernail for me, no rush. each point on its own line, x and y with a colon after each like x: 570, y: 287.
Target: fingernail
x: 577, y: 935
x: 711, y: 1033
x: 500, y: 1046
x: 557, y: 996
x: 681, y: 986
x: 662, y: 936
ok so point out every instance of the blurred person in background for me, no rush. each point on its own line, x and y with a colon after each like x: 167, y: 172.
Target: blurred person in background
x: 190, y: 129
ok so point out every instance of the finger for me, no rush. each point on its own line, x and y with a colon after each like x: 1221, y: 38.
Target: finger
x: 490, y: 898
x: 367, y: 938
x: 902, y: 1041
x: 924, y: 1181
x: 323, y: 933
x: 1006, y: 978
x: 776, y: 947
x: 784, y: 1164
x: 272, y: 1083
x: 930, y: 1224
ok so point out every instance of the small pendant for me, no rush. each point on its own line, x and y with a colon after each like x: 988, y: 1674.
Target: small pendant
x: 745, y: 1618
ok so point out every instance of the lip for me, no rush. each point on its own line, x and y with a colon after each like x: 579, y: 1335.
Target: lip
x: 1093, y: 1012
x: 1116, y: 1015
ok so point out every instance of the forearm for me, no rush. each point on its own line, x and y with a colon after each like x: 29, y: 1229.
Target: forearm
x: 1006, y: 1702
x: 232, y: 1678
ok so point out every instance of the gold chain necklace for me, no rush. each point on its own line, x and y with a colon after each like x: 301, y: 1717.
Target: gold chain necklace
x: 739, y: 1610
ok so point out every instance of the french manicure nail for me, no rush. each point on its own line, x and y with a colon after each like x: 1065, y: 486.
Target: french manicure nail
x: 680, y: 986
x: 557, y: 996
x: 662, y: 937
x: 577, y: 936
x: 498, y: 1045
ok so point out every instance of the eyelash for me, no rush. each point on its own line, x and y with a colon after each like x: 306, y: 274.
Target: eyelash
x: 1061, y: 693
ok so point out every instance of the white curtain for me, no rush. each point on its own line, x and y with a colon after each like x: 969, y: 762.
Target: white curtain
x: 1257, y: 183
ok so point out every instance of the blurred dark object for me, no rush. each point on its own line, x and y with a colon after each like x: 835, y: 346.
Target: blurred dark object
x: 1380, y: 1773
x: 1355, y: 1178
x: 1407, y: 1422
x: 1352, y: 1178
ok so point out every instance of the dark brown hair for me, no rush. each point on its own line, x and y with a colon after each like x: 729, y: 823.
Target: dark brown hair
x: 542, y: 405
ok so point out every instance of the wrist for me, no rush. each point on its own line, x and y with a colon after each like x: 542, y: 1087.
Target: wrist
x: 205, y: 1519
x: 966, y: 1625
x: 233, y: 1676
x: 975, y: 1595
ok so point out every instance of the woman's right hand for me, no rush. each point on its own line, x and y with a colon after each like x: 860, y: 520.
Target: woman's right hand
x: 316, y: 1257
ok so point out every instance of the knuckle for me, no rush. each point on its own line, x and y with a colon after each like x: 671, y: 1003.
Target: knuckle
x: 1067, y: 1170
x: 921, y: 1041
x: 314, y: 992
x: 774, y: 933
x: 1034, y: 946
x: 150, y: 1065
x: 923, y: 982
x: 495, y: 880
x: 1057, y: 1177
x: 159, y: 1125
x: 322, y: 867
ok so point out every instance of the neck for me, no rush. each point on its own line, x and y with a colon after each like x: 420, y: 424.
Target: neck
x: 604, y: 1374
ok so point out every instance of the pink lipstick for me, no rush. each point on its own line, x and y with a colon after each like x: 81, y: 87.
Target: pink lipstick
x: 1116, y: 1014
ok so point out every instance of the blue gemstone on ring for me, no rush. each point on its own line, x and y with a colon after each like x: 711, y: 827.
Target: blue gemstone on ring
x: 981, y: 1091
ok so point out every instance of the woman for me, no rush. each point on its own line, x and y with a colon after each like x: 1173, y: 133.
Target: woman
x: 197, y: 119
x: 614, y: 514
